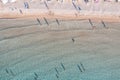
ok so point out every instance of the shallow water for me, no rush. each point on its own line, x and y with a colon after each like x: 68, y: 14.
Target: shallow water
x: 27, y: 49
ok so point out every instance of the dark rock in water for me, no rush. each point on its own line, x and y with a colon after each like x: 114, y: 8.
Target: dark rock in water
x: 63, y: 66
x: 7, y: 71
x: 82, y: 66
x: 56, y: 70
x: 12, y: 73
x: 57, y: 76
x: 79, y: 68
x: 35, y: 78
x: 36, y: 75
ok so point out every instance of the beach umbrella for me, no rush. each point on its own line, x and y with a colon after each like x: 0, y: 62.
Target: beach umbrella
x: 86, y: 1
x: 12, y: 0
x: 4, y: 1
x: 26, y: 5
x: 7, y: 1
x: 96, y: 1
x: 1, y: 4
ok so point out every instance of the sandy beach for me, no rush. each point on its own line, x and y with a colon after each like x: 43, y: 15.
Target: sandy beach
x: 109, y: 11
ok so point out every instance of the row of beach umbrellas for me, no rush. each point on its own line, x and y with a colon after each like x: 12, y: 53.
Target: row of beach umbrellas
x: 96, y: 1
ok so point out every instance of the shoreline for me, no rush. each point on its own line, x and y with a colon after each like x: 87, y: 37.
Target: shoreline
x: 107, y: 18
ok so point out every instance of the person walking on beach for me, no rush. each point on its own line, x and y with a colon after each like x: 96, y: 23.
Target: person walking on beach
x: 73, y: 40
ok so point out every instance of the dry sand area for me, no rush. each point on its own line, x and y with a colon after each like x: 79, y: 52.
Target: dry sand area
x: 54, y: 8
x: 70, y: 50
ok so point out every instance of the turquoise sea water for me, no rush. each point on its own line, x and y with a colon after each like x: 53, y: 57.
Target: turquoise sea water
x: 29, y: 51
